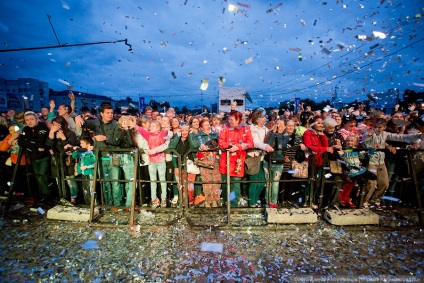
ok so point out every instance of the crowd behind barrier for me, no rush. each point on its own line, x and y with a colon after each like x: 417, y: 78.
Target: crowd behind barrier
x: 326, y: 159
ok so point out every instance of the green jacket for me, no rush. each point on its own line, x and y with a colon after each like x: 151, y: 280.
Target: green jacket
x: 110, y: 130
x: 196, y: 140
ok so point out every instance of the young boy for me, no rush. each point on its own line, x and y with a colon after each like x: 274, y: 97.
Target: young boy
x: 376, y: 139
x: 85, y: 166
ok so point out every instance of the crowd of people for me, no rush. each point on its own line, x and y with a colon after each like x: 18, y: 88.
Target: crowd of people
x: 354, y: 148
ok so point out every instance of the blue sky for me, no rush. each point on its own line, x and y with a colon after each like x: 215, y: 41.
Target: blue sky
x: 203, y: 39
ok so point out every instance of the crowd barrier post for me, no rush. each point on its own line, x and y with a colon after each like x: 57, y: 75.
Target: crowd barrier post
x: 312, y: 179
x: 184, y: 182
x: 12, y: 182
x: 93, y: 184
x: 417, y: 188
x: 99, y: 164
x: 134, y: 185
x: 179, y: 179
x: 270, y: 183
x: 61, y: 184
x: 228, y: 188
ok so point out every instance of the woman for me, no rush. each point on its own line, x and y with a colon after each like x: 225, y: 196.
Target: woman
x: 274, y: 161
x: 9, y: 149
x: 348, y: 127
x: 216, y: 123
x: 259, y: 131
x: 175, y: 125
x: 294, y: 145
x: 304, y: 122
x: 180, y: 143
x: 61, y: 140
x: 317, y: 142
x: 236, y: 137
x: 334, y: 140
x: 212, y: 192
x: 194, y: 125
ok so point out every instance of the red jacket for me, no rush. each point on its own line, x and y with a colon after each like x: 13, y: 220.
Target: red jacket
x: 230, y: 136
x: 315, y: 143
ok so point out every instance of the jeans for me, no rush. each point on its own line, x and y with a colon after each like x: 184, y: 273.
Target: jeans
x: 112, y: 191
x: 41, y: 170
x: 73, y: 186
x: 86, y: 184
x: 234, y: 187
x: 276, y: 171
x: 255, y: 189
x: 128, y: 170
x: 154, y: 169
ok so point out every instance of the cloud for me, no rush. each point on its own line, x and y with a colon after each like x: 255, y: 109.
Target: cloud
x: 200, y: 31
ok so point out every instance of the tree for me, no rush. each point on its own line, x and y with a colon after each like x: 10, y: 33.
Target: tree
x: 128, y: 99
x: 184, y: 109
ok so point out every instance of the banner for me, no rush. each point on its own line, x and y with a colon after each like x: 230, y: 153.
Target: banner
x: 296, y: 104
x: 141, y: 104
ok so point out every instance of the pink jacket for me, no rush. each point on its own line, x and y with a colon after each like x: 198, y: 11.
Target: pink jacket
x: 154, y: 140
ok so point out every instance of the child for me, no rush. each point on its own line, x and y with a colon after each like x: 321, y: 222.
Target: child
x: 158, y: 142
x: 353, y: 169
x: 85, y: 166
x: 376, y: 139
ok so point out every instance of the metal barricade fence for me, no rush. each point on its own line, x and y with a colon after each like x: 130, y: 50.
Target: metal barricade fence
x: 183, y: 197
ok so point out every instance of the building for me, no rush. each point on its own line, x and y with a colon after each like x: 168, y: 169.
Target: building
x: 13, y: 94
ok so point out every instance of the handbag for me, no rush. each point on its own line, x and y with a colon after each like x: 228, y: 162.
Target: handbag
x: 252, y: 164
x: 205, y: 164
x: 335, y: 167
x: 192, y: 168
x: 301, y: 169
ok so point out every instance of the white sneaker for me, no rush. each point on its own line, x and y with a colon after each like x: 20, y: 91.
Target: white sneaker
x: 174, y: 201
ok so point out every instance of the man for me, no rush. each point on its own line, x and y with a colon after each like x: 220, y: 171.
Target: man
x: 9, y: 115
x: 33, y: 139
x: 66, y: 112
x: 170, y: 113
x: 148, y: 112
x: 155, y: 114
x: 106, y: 134
x: 44, y: 115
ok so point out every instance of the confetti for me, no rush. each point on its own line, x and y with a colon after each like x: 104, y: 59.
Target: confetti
x: 249, y: 60
x: 232, y: 8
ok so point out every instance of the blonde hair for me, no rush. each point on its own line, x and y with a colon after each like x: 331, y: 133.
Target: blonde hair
x: 329, y: 123
x: 157, y: 123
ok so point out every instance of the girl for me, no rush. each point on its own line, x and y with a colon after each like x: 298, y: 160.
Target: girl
x: 156, y: 140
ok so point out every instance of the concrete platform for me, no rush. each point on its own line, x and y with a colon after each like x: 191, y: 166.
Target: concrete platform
x: 352, y: 217
x: 70, y: 213
x: 291, y: 216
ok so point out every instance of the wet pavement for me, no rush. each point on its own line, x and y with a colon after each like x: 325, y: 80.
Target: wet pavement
x: 163, y: 246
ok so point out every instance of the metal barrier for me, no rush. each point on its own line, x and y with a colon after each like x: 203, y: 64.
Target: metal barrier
x: 183, y: 197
